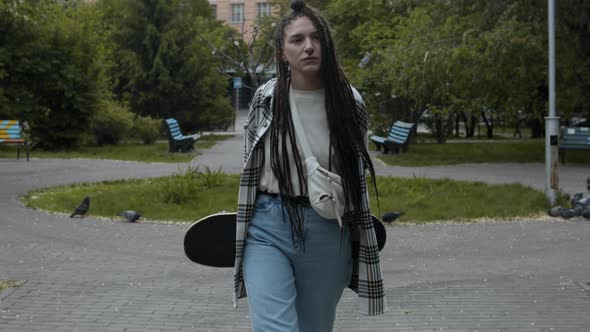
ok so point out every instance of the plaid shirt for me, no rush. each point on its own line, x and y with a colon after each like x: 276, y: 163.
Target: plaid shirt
x: 366, y: 278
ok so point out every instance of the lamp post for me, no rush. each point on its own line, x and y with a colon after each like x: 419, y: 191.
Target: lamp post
x: 551, y: 121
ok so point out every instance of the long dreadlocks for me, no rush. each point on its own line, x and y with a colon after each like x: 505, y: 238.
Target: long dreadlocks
x: 346, y: 139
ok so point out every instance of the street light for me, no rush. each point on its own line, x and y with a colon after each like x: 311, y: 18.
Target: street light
x: 551, y: 121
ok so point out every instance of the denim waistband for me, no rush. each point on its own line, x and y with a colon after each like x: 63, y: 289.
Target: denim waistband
x: 298, y: 199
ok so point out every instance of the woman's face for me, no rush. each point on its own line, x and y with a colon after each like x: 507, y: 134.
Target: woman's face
x: 302, y: 48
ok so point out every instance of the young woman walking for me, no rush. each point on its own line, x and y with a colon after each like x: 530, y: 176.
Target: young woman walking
x: 292, y: 263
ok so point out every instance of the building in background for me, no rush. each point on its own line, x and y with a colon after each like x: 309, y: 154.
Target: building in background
x: 241, y: 14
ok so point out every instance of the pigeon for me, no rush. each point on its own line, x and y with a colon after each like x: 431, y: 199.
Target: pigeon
x: 390, y: 217
x: 568, y: 213
x: 555, y: 211
x: 576, y: 199
x: 82, y: 208
x: 130, y: 215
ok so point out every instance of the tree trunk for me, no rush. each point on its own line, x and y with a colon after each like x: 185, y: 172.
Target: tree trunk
x: 457, y: 123
x: 489, y: 125
x: 473, y: 120
x: 536, y: 128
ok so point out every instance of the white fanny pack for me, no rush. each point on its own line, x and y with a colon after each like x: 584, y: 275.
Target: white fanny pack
x: 326, y: 195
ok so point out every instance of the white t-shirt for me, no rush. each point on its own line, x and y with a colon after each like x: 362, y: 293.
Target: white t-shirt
x: 312, y: 111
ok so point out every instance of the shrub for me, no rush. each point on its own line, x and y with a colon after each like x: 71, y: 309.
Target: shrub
x: 210, y: 179
x: 51, y: 73
x: 440, y: 123
x: 111, y: 124
x: 184, y: 186
x: 146, y: 129
x: 180, y: 187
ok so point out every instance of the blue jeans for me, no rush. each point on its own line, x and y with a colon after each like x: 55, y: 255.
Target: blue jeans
x: 292, y: 287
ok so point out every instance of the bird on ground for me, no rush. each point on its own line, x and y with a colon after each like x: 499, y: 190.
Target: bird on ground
x: 390, y: 217
x: 130, y: 215
x: 82, y: 209
x: 577, y: 199
x: 570, y: 213
x: 555, y: 211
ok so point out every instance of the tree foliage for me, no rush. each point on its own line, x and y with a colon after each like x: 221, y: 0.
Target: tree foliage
x: 163, y: 69
x: 50, y: 75
x: 467, y: 60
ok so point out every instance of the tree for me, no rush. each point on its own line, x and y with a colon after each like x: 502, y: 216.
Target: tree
x: 240, y: 55
x: 49, y: 75
x: 163, y: 68
x: 463, y: 58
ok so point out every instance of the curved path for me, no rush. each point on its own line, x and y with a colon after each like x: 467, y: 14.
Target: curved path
x: 103, y: 275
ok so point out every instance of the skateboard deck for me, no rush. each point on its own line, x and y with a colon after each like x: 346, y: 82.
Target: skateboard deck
x: 211, y: 240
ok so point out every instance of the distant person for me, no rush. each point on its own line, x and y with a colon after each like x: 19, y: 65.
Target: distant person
x: 292, y: 263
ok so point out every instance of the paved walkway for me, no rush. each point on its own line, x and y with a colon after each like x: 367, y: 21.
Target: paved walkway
x: 103, y: 275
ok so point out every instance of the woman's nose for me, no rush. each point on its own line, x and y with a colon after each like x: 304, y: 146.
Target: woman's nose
x: 308, y: 47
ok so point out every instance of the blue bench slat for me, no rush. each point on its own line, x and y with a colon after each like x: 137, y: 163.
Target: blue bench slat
x: 177, y: 139
x: 576, y: 141
x: 576, y: 138
x: 575, y: 147
x: 10, y: 133
x: 378, y: 139
x: 399, y: 134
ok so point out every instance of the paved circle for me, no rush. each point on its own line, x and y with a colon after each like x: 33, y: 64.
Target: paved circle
x: 104, y: 275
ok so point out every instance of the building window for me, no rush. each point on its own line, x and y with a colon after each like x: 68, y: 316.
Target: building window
x: 237, y: 13
x: 263, y: 9
x: 214, y: 11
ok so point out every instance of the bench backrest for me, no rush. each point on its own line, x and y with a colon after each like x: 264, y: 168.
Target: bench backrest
x: 173, y: 127
x: 400, y: 131
x: 575, y: 136
x: 10, y: 129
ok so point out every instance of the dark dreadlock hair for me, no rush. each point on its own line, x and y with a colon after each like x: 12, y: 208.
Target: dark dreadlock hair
x: 346, y: 139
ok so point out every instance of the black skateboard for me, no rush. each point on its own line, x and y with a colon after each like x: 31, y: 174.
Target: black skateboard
x: 211, y: 241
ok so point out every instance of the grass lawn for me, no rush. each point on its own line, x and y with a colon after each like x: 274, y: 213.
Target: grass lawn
x: 431, y: 154
x: 186, y: 198
x: 195, y: 193
x: 135, y: 152
x: 4, y: 284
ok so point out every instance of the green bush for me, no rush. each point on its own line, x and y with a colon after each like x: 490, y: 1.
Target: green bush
x: 184, y: 186
x: 51, y: 74
x: 217, y: 115
x: 440, y: 123
x: 180, y: 187
x: 111, y: 124
x: 210, y: 179
x: 146, y: 129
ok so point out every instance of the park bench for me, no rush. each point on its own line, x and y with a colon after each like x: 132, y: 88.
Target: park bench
x: 11, y: 134
x: 177, y: 141
x: 398, y: 139
x: 574, y: 138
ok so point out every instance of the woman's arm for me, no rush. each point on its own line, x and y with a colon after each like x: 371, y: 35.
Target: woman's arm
x: 361, y: 116
x: 260, y: 105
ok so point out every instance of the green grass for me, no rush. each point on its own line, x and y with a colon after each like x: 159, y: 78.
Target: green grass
x: 173, y: 198
x: 431, y: 154
x: 427, y: 137
x: 188, y: 196
x: 425, y: 200
x: 134, y: 152
x: 4, y: 284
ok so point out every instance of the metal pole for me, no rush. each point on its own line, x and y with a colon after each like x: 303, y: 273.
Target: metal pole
x: 237, y: 109
x: 551, y: 121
